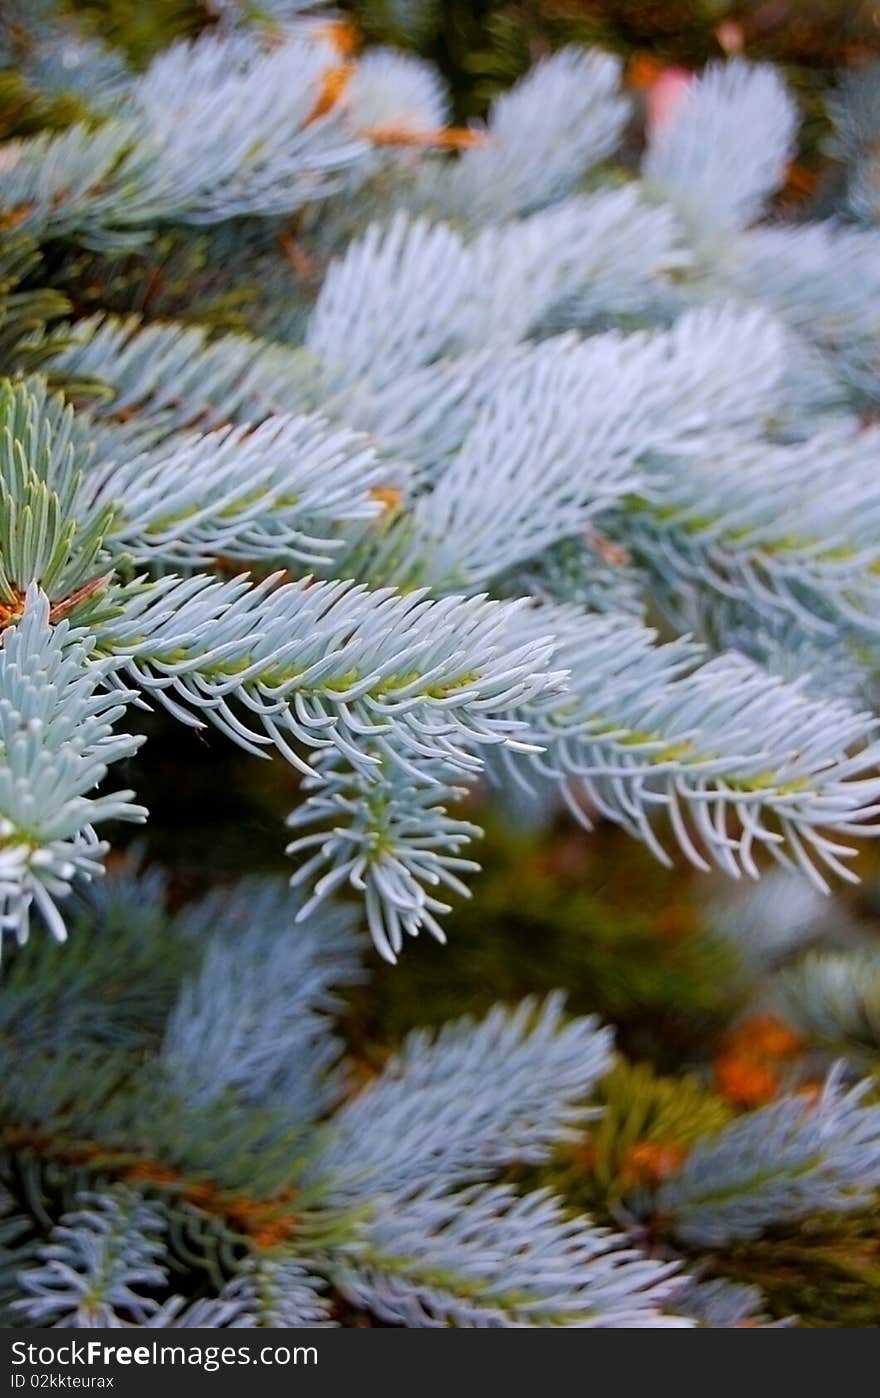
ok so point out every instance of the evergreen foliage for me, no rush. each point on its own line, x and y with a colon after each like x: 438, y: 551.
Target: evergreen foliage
x: 128, y: 1180
x: 535, y: 463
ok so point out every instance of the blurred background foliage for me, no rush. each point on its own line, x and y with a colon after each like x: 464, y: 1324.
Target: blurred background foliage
x: 483, y: 46
x: 690, y: 971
